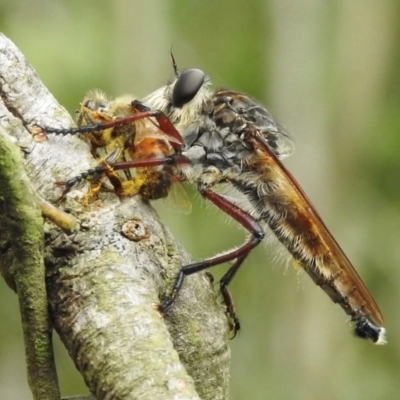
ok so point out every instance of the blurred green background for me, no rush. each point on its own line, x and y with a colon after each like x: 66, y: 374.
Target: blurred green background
x: 330, y: 72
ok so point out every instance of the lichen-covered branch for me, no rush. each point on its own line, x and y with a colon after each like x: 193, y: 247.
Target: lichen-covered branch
x: 106, y: 272
x: 22, y: 266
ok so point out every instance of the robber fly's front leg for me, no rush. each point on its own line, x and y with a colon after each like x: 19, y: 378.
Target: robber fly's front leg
x: 239, y: 255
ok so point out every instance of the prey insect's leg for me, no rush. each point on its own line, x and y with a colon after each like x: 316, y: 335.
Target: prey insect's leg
x: 257, y: 234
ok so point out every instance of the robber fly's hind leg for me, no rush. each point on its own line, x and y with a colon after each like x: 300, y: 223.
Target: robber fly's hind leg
x: 257, y: 234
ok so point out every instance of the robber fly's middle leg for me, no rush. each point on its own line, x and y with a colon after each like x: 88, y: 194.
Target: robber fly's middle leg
x: 239, y: 255
x: 108, y: 166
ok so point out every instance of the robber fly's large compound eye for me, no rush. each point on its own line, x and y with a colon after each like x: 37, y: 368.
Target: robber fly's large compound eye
x: 187, y: 86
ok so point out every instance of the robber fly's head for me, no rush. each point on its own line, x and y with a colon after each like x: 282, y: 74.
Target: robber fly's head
x: 183, y: 99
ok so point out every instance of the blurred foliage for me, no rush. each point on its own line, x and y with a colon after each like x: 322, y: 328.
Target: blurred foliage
x: 330, y: 71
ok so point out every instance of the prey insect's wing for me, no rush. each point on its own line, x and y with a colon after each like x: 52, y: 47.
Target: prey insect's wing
x: 332, y: 271
x: 178, y: 199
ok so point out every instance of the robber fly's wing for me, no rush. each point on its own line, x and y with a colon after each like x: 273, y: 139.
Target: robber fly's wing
x: 348, y: 280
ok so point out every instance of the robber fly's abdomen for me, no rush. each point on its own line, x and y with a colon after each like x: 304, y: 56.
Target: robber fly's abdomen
x: 289, y: 214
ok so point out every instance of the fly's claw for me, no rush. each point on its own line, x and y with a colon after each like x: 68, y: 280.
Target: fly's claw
x: 156, y: 307
x: 167, y: 303
x: 67, y: 185
x: 39, y: 134
x: 233, y: 323
x: 170, y: 298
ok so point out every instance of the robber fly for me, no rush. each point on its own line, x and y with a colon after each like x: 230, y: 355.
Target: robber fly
x: 232, y: 140
x: 224, y: 139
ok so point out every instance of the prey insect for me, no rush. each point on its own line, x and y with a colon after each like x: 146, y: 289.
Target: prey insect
x: 121, y: 130
x: 231, y: 144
